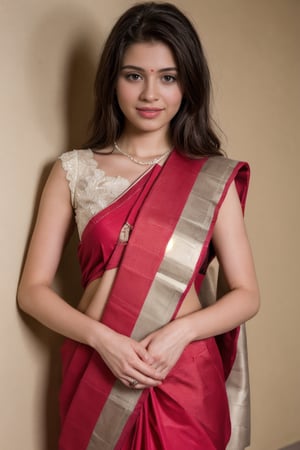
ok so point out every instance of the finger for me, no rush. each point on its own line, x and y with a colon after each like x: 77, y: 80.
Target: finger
x: 140, y: 386
x: 146, y: 383
x: 143, y: 354
x: 147, y: 370
x: 129, y: 382
x: 145, y: 342
x: 147, y: 376
x: 132, y: 383
x: 143, y: 379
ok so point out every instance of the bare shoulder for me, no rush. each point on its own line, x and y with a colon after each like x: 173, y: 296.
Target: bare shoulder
x: 230, y: 217
x: 56, y: 206
x: 56, y: 196
x: 57, y: 180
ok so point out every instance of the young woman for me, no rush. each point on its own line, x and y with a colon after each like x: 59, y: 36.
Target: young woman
x: 154, y: 201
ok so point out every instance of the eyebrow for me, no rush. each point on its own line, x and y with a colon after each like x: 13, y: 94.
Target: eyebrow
x: 140, y: 69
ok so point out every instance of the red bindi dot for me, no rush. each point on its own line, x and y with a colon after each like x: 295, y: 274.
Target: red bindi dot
x: 151, y: 70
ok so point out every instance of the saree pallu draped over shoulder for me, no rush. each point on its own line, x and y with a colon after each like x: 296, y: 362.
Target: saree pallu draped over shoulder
x: 168, y: 245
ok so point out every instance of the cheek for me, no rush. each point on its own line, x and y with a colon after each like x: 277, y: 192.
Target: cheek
x: 120, y: 98
x: 122, y: 93
x: 175, y: 98
x: 126, y: 99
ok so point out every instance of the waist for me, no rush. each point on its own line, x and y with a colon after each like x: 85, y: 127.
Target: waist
x: 97, y: 292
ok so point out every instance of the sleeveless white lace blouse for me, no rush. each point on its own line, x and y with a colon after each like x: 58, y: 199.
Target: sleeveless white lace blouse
x: 90, y: 188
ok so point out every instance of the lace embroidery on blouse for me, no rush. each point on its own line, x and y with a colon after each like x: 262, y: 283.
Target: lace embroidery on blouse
x: 91, y: 189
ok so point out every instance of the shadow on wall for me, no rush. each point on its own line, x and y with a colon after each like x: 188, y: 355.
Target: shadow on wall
x: 60, y: 73
x: 61, y: 69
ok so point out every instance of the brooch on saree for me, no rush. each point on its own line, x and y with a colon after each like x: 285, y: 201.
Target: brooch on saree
x: 125, y: 233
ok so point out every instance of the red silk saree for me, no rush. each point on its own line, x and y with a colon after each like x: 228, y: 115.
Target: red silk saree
x: 170, y: 214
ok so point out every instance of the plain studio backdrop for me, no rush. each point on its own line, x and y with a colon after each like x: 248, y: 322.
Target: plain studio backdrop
x: 49, y: 51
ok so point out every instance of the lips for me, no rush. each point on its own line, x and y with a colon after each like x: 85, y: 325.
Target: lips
x: 149, y: 113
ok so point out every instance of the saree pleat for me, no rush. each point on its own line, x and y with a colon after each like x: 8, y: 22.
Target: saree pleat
x: 171, y: 416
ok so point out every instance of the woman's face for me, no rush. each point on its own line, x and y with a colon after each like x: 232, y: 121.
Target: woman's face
x: 148, y: 89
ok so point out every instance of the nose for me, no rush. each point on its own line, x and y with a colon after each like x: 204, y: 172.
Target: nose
x: 149, y: 92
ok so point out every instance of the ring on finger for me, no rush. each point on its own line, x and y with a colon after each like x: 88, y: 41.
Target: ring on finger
x: 133, y: 383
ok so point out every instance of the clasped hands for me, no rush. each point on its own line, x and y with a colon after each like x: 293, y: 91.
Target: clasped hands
x: 146, y: 363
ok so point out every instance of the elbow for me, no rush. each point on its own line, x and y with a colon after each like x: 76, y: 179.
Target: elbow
x: 24, y: 298
x: 254, y: 303
x: 21, y: 298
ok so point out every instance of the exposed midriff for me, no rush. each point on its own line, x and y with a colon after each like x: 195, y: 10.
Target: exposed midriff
x: 95, y: 296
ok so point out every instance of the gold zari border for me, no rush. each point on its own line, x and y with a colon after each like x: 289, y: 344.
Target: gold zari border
x: 174, y: 274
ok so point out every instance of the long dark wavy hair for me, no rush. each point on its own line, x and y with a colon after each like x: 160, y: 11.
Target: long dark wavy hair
x: 191, y: 129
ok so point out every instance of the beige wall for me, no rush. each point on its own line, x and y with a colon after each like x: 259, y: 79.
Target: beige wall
x: 49, y: 51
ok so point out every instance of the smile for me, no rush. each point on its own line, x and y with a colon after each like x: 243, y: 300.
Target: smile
x: 149, y: 113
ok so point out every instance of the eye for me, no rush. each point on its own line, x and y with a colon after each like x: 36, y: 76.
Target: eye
x: 169, y: 78
x: 133, y: 76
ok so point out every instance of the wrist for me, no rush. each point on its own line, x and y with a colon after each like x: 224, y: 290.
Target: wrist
x: 185, y: 329
x: 98, y: 333
x: 188, y: 329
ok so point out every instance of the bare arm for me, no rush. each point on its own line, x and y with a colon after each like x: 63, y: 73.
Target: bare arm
x: 235, y: 257
x: 35, y: 295
x: 37, y: 298
x: 237, y: 306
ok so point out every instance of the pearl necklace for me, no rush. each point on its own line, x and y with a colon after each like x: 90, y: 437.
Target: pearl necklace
x: 137, y: 161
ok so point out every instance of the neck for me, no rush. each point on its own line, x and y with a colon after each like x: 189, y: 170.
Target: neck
x: 144, y: 145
